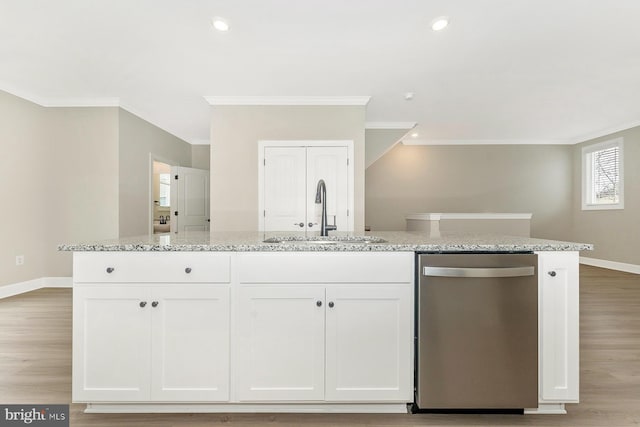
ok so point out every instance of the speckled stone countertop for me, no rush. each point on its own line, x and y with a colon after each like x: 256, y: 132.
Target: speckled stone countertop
x: 406, y: 241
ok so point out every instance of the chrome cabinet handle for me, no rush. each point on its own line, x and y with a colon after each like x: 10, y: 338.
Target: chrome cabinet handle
x: 187, y: 270
x: 299, y: 224
x: 110, y: 270
x: 331, y: 304
x: 154, y: 304
x: 319, y: 303
x: 143, y: 304
x: 311, y: 224
x: 552, y: 273
x: 478, y: 272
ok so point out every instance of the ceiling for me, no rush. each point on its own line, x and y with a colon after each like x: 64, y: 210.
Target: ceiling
x: 549, y: 71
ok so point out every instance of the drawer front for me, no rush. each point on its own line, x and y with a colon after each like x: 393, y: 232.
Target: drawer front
x: 326, y: 267
x: 151, y: 267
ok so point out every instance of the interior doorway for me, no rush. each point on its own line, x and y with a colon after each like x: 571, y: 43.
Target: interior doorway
x: 161, y: 197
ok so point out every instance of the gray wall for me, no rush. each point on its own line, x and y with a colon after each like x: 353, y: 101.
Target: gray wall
x: 533, y: 179
x: 81, y: 189
x: 62, y: 172
x: 378, y: 141
x: 137, y: 139
x: 59, y: 169
x: 615, y: 233
x: 22, y: 163
x: 200, y: 156
x: 235, y: 132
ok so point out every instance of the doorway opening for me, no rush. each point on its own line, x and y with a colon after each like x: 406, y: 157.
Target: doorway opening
x: 161, y: 197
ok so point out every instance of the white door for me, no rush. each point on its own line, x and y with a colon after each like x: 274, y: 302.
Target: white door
x: 558, y: 295
x: 281, y: 343
x: 368, y: 339
x: 190, y: 342
x: 111, y: 343
x: 284, y: 189
x: 190, y: 199
x: 331, y: 165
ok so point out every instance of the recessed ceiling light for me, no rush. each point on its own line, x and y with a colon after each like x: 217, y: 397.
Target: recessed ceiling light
x: 439, y: 23
x: 414, y: 135
x: 408, y: 96
x: 220, y: 24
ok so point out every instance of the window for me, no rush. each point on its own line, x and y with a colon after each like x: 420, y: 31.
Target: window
x: 602, y: 175
x: 165, y: 186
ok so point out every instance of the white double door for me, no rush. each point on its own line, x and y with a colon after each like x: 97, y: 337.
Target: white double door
x: 291, y: 176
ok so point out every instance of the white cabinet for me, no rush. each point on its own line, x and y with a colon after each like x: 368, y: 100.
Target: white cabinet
x: 288, y: 178
x: 339, y: 343
x: 325, y: 327
x: 151, y: 326
x: 369, y: 343
x: 111, y: 344
x: 281, y: 343
x: 142, y: 343
x: 558, y: 327
x: 190, y: 343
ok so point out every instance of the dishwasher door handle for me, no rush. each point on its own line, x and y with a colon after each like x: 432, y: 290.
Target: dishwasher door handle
x: 478, y: 272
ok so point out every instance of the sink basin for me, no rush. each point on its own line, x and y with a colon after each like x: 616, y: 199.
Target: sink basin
x: 330, y: 240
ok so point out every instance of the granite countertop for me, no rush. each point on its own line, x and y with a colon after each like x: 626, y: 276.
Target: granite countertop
x: 406, y: 241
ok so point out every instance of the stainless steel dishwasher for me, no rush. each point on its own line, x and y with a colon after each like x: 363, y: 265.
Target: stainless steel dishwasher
x: 477, y: 332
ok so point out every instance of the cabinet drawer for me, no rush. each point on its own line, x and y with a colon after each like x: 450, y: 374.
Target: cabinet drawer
x: 327, y: 267
x: 151, y: 267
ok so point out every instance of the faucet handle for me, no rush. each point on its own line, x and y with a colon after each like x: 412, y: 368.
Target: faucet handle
x: 332, y: 227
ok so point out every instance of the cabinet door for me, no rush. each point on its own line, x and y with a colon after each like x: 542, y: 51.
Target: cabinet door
x: 369, y: 344
x: 329, y: 164
x: 190, y: 343
x: 285, y: 189
x: 281, y: 343
x: 111, y: 343
x: 559, y: 326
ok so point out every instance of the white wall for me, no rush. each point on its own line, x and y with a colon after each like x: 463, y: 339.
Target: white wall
x: 235, y: 132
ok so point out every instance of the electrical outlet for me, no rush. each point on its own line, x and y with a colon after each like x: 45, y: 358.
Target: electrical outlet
x: 19, y: 259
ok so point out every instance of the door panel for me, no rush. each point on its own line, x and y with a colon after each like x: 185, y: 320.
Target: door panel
x: 281, y: 338
x: 190, y: 339
x: 111, y: 344
x: 190, y: 197
x: 369, y: 344
x: 329, y: 164
x: 284, y: 189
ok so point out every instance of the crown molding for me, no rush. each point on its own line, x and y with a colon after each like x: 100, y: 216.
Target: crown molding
x: 605, y: 132
x: 288, y: 100
x: 390, y: 125
x: 200, y: 142
x: 407, y: 141
x: 81, y: 102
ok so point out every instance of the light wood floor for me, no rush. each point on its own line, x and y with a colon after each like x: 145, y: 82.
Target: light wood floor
x: 35, y: 366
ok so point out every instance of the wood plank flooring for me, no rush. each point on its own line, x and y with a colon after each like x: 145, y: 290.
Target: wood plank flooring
x: 35, y: 367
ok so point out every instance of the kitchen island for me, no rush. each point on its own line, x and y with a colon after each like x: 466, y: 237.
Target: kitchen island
x: 224, y: 322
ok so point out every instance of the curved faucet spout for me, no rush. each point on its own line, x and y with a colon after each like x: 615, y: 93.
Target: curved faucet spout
x: 321, y: 191
x: 321, y: 197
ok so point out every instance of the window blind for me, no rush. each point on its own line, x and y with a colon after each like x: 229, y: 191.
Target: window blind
x: 605, y: 167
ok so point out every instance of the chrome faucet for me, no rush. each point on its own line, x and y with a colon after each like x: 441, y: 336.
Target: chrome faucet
x: 321, y: 197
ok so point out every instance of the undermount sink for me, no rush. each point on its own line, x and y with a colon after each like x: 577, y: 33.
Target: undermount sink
x: 330, y: 240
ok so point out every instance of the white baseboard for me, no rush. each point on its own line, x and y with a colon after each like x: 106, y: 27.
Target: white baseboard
x: 611, y: 265
x: 34, y: 284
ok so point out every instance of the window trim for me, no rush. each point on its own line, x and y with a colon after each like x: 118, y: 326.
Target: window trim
x: 617, y: 142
